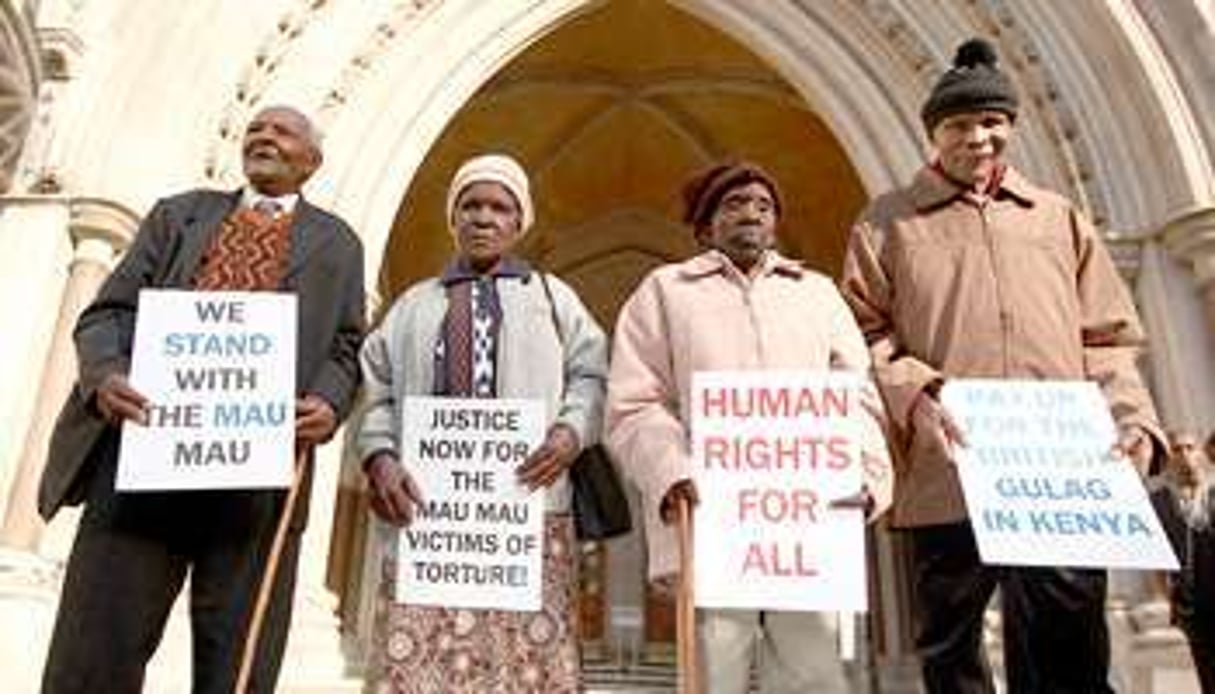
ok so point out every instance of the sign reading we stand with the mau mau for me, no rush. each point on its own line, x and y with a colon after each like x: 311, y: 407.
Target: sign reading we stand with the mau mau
x: 477, y: 539
x: 1042, y: 485
x: 771, y: 451
x: 218, y: 370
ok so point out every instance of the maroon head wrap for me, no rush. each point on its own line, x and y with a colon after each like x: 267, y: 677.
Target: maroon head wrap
x: 704, y: 191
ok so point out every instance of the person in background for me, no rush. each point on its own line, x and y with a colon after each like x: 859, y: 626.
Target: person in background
x: 1183, y: 501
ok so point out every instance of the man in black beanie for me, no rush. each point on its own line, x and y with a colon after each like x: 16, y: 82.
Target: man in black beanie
x: 971, y: 271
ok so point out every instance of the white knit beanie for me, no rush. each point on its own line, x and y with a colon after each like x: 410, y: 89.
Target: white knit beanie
x: 493, y: 168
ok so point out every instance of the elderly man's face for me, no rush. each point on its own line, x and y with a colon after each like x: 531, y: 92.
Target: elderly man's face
x: 487, y: 222
x: 744, y: 224
x: 279, y: 151
x: 1185, y: 456
x: 970, y: 144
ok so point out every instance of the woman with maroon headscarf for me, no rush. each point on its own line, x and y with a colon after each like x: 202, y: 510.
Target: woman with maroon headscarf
x: 738, y: 305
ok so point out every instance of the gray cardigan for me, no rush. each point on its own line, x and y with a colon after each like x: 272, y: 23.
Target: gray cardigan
x: 568, y: 371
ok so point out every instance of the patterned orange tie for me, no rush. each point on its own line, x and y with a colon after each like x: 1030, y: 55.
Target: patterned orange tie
x: 249, y: 253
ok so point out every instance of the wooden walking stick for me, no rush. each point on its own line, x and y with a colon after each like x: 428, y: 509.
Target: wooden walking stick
x: 266, y: 588
x: 685, y: 608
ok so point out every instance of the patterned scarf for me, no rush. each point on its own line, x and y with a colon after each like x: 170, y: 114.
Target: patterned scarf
x: 466, y: 353
x: 248, y: 254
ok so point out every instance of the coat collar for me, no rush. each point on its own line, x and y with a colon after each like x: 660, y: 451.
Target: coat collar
x: 306, y: 238
x: 457, y: 270
x: 713, y: 262
x: 929, y: 189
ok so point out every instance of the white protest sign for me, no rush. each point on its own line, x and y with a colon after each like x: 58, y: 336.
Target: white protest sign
x: 1041, y: 485
x: 478, y: 539
x: 771, y: 450
x: 218, y: 370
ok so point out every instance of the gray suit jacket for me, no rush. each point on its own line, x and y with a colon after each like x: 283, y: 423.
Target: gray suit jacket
x: 325, y: 271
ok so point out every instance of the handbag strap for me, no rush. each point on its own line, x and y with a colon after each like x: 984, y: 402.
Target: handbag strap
x: 552, y: 309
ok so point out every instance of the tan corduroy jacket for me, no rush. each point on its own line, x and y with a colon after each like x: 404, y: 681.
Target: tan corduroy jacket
x: 1018, y: 287
x: 704, y: 315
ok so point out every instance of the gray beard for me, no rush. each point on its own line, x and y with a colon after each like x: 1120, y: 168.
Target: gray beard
x: 1195, y: 505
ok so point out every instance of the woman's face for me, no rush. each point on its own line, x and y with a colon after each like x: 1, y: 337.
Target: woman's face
x: 487, y: 222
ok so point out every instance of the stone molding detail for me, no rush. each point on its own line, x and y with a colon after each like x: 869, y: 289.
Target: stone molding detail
x: 398, y: 20
x: 20, y: 74
x: 106, y: 220
x: 62, y: 52
x: 914, y: 50
x: 1127, y: 253
x: 1190, y: 237
x: 260, y: 72
x: 255, y: 78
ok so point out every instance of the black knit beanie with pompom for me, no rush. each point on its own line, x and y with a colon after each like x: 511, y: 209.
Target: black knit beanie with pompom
x: 974, y: 83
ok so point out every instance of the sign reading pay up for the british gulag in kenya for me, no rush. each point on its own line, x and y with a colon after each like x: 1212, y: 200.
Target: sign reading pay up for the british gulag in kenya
x: 218, y: 370
x: 771, y: 451
x: 477, y: 539
x: 1042, y: 485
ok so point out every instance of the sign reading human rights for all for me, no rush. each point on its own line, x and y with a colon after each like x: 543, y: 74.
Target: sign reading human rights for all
x: 218, y: 370
x: 771, y: 451
x: 477, y: 540
x: 1042, y: 486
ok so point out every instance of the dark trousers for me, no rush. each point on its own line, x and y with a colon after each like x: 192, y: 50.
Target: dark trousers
x: 1200, y: 632
x: 130, y: 559
x: 1055, y: 636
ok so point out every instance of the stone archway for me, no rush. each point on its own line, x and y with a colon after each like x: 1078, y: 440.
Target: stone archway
x: 609, y: 131
x: 860, y: 69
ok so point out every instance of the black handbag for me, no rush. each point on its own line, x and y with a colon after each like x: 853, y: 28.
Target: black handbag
x: 601, y: 509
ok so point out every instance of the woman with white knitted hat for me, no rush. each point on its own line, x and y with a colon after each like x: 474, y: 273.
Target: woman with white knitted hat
x: 489, y: 326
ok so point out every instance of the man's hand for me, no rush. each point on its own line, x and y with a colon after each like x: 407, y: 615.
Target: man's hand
x: 862, y: 500
x: 552, y: 458
x: 315, y: 420
x: 117, y: 401
x: 1135, y: 443
x: 394, y: 494
x: 681, y: 491
x: 930, y: 418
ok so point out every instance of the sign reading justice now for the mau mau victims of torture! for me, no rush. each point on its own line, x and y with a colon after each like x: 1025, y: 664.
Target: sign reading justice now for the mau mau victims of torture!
x: 1042, y: 485
x: 771, y: 451
x: 477, y: 538
x: 218, y: 370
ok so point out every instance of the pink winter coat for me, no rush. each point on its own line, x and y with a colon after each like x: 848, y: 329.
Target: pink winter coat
x: 702, y: 315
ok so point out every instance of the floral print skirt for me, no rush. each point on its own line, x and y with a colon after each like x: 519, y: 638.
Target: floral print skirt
x: 438, y: 650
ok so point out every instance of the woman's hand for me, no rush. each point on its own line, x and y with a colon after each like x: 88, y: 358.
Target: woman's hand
x: 552, y: 458
x: 394, y: 494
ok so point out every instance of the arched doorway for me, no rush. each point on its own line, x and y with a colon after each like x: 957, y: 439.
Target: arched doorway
x: 609, y: 130
x: 456, y: 70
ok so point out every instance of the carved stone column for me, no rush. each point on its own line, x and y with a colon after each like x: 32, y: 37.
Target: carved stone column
x: 1191, y: 238
x: 100, y: 231
x: 1175, y: 288
x: 29, y: 582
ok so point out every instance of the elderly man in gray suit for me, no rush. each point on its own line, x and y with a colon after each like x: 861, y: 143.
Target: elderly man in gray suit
x: 133, y: 551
